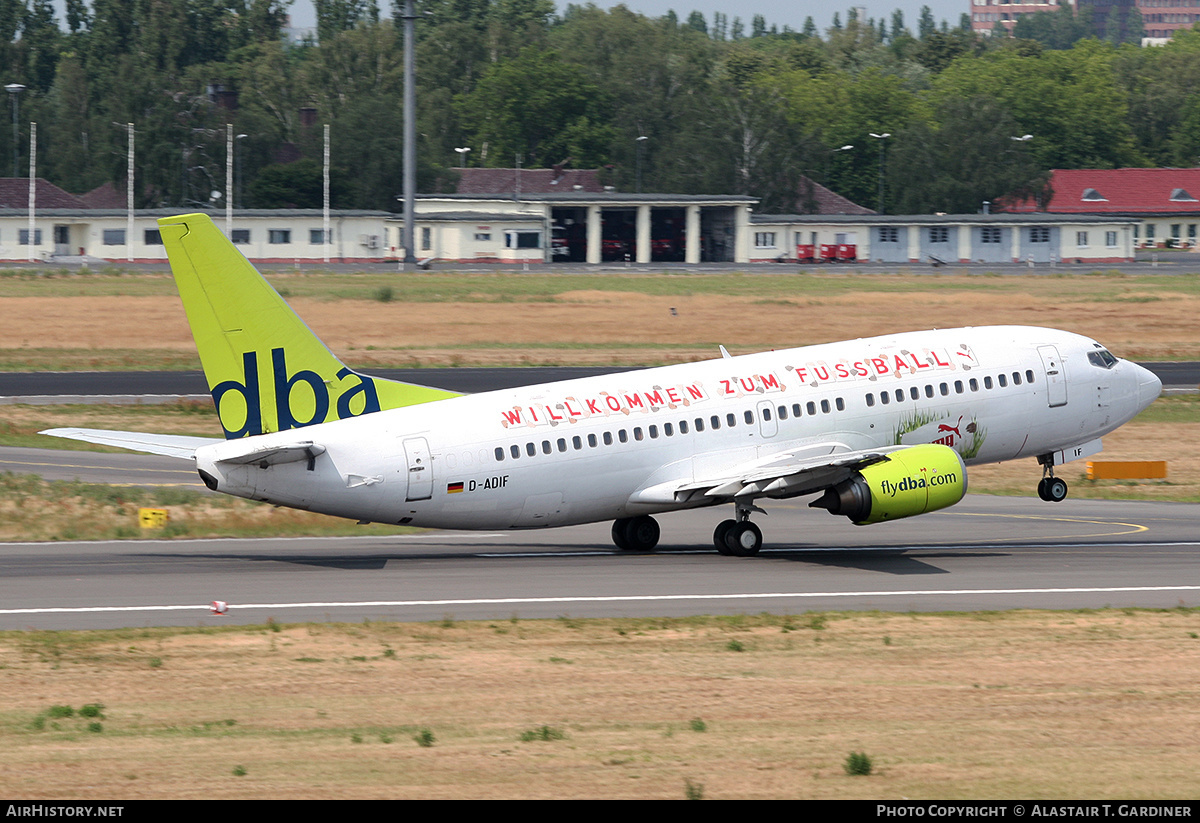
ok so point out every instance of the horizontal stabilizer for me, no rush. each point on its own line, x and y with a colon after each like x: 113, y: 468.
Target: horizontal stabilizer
x: 169, y: 445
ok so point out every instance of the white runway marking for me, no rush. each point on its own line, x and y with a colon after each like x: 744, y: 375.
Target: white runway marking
x: 532, y: 601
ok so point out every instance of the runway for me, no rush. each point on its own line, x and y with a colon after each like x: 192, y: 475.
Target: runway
x: 986, y: 553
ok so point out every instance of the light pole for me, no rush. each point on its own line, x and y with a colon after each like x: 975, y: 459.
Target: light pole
x: 237, y: 159
x: 640, y: 142
x: 462, y: 156
x: 14, y: 90
x: 880, y: 138
x: 409, y: 16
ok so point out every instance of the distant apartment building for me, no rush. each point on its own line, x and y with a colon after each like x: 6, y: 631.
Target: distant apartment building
x: 1159, y: 19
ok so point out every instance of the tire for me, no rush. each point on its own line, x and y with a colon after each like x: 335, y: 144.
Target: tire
x: 1041, y: 489
x: 719, y: 536
x: 641, y: 534
x: 618, y: 534
x: 1056, y: 490
x: 744, y: 539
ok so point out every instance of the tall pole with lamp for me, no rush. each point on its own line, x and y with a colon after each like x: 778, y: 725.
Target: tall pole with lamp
x: 880, y: 138
x: 14, y: 91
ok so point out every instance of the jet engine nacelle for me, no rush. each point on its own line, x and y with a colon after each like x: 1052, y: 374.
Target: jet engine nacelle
x: 911, y: 481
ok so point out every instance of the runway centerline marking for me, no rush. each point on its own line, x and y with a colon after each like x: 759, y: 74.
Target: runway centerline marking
x: 645, y: 598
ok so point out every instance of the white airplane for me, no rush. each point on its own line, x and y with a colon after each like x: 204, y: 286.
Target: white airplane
x: 878, y: 428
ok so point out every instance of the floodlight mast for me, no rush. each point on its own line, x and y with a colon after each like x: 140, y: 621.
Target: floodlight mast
x: 410, y: 135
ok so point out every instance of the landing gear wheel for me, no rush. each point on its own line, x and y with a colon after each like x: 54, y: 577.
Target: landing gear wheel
x: 618, y: 534
x: 719, y: 536
x: 1056, y: 489
x: 636, y: 534
x: 743, y: 539
x: 1052, y: 489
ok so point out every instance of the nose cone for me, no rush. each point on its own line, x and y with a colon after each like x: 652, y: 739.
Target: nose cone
x: 1149, y: 386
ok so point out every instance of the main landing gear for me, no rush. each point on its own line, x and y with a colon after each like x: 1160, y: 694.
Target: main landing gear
x: 1051, y: 489
x: 738, y: 537
x: 635, y: 534
x: 735, y: 538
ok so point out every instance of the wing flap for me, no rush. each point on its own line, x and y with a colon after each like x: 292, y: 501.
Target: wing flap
x: 267, y: 455
x: 784, y: 475
x: 169, y: 445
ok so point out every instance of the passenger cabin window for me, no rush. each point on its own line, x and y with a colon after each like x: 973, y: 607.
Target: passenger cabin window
x: 516, y: 450
x: 811, y: 407
x: 825, y: 406
x: 683, y: 427
x: 1003, y: 381
x: 1016, y: 378
x: 782, y: 412
x: 715, y: 422
x: 499, y: 454
x: 622, y: 435
x: 987, y: 382
x: 730, y: 420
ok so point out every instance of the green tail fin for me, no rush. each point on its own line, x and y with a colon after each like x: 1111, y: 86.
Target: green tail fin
x: 265, y: 368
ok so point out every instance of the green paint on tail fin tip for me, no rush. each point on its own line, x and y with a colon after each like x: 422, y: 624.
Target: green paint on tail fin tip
x: 265, y: 368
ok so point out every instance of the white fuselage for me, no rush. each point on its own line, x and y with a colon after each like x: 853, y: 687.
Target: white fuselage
x: 579, y: 451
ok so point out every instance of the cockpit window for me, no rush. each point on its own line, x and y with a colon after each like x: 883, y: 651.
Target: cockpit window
x: 1102, y: 358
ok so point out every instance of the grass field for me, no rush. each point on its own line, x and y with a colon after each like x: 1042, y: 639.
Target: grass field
x: 118, y: 321
x: 1097, y: 705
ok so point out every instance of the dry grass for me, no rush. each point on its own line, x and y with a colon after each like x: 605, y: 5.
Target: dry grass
x: 1013, y: 705
x: 539, y: 319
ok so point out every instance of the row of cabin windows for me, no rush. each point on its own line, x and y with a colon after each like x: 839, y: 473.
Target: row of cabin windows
x: 653, y: 432
x: 885, y: 397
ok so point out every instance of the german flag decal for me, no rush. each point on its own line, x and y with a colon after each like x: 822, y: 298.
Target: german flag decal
x: 454, y: 488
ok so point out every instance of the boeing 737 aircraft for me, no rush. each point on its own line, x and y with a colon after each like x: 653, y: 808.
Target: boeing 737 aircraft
x: 876, y: 429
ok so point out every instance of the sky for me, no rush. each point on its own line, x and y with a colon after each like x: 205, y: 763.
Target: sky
x: 778, y: 12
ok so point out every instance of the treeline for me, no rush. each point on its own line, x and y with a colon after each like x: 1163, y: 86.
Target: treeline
x: 725, y: 105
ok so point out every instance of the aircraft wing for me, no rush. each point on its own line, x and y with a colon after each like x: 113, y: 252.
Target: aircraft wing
x: 170, y: 445
x: 802, y: 471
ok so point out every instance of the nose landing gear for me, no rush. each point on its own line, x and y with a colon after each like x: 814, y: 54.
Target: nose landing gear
x: 1051, y: 489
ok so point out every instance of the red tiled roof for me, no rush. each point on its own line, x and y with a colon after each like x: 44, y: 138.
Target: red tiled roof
x: 1119, y: 191
x: 105, y: 196
x: 816, y: 199
x: 533, y: 181
x: 14, y: 194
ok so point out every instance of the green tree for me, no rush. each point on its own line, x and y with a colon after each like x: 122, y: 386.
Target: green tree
x: 966, y: 157
x: 539, y: 108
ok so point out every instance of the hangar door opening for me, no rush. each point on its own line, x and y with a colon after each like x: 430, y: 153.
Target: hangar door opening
x: 717, y: 234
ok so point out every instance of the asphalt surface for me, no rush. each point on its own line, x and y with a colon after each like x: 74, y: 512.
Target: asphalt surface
x: 985, y: 553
